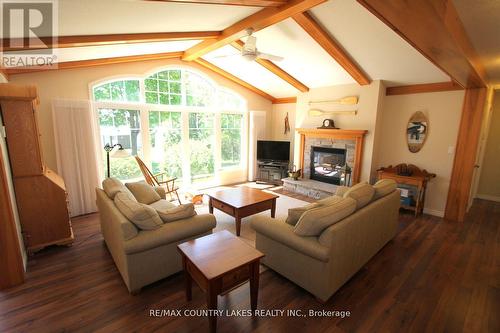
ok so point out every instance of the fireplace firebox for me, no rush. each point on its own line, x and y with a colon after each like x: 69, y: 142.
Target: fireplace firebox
x: 327, y: 163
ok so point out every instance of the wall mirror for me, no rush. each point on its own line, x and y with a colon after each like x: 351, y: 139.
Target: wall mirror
x: 417, y: 131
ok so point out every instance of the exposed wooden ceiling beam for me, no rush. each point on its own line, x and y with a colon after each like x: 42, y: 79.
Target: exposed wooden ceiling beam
x: 98, y: 40
x: 93, y: 62
x: 334, y: 49
x: 260, y: 20
x: 233, y: 78
x: 434, y: 28
x: 269, y: 65
x: 285, y: 100
x: 423, y: 88
x: 252, y: 3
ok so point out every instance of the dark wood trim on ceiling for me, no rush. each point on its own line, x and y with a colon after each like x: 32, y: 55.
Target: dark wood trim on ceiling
x: 332, y: 47
x: 422, y: 88
x: 251, y: 3
x: 112, y: 39
x: 260, y: 20
x: 434, y: 28
x: 285, y: 100
x: 275, y: 69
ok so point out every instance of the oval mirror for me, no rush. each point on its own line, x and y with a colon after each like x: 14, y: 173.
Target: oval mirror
x: 417, y: 131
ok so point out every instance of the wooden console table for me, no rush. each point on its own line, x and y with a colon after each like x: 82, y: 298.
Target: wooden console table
x: 409, y: 175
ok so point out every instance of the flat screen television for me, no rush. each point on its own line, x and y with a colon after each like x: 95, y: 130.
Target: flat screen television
x: 273, y: 151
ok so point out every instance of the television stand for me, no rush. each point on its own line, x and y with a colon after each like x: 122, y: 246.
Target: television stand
x: 271, y: 172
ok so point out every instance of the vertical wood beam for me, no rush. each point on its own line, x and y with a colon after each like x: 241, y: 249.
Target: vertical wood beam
x: 11, y: 261
x: 465, y: 154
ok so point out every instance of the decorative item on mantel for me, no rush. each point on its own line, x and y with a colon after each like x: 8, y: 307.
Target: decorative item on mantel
x: 294, y: 173
x: 412, y: 183
x: 328, y: 124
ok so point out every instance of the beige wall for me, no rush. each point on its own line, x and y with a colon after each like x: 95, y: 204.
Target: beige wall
x: 278, y: 124
x: 366, y: 118
x: 443, y: 110
x: 489, y: 181
x: 74, y: 84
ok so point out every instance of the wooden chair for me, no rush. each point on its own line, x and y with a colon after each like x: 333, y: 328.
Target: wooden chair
x: 158, y: 179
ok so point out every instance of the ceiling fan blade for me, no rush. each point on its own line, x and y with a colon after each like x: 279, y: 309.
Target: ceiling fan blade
x: 269, y: 56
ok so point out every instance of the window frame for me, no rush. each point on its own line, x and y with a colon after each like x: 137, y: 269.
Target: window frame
x: 144, y: 109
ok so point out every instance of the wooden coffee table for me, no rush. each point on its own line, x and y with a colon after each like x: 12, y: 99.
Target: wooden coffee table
x: 242, y: 202
x: 218, y: 263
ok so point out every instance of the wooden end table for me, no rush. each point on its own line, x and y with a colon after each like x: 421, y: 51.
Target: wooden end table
x: 218, y: 263
x: 242, y: 202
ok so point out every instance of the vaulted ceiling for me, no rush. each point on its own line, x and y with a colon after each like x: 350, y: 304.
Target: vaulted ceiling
x: 374, y: 48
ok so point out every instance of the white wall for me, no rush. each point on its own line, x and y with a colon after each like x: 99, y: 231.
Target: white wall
x: 443, y: 110
x: 278, y: 124
x: 366, y: 118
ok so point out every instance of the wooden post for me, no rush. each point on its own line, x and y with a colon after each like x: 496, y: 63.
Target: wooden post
x: 465, y: 154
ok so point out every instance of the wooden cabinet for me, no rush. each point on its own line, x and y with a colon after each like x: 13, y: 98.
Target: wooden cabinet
x: 270, y: 172
x: 40, y: 193
x: 409, y: 175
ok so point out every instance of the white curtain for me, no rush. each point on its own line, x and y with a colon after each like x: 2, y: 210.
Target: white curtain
x: 77, y: 154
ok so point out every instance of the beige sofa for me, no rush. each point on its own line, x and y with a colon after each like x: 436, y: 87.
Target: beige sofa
x: 146, y: 256
x: 322, y: 264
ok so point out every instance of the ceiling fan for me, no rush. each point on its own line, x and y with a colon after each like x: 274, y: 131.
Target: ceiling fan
x: 250, y: 52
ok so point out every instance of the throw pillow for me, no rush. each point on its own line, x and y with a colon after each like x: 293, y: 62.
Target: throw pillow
x: 180, y: 212
x: 384, y: 187
x: 314, y: 221
x: 143, y: 216
x: 294, y: 214
x: 362, y: 193
x: 143, y: 192
x: 112, y: 186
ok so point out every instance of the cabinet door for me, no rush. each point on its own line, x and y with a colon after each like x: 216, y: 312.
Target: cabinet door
x: 264, y: 175
x: 23, y: 138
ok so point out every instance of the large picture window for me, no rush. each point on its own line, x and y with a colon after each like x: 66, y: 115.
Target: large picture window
x: 177, y: 121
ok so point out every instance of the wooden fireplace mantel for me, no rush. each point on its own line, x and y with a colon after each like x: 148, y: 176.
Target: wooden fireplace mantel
x: 340, y: 134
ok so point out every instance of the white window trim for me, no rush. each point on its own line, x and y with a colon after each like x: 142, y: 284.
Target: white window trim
x: 144, y: 109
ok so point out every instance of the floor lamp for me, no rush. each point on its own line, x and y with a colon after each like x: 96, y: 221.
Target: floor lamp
x: 115, y: 151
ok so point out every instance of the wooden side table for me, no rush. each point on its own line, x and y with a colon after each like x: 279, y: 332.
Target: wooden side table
x: 409, y: 175
x: 218, y: 263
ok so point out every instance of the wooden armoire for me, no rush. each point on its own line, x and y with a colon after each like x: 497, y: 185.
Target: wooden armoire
x: 40, y: 193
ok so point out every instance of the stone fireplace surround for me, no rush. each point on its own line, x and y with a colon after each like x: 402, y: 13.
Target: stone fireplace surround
x: 351, y: 140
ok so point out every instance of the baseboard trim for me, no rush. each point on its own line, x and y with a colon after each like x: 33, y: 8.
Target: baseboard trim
x: 488, y: 197
x: 434, y: 212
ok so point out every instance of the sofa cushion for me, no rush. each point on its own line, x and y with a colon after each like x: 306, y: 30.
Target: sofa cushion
x: 341, y: 190
x: 143, y: 216
x: 314, y: 221
x: 162, y: 205
x: 294, y: 214
x: 112, y: 186
x: 180, y: 212
x: 362, y: 193
x: 143, y: 192
x: 171, y: 233
x: 383, y: 187
x: 329, y: 200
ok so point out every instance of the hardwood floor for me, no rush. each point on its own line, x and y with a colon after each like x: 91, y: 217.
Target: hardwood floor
x: 435, y: 276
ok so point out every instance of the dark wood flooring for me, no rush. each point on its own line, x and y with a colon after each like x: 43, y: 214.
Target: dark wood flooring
x: 435, y: 276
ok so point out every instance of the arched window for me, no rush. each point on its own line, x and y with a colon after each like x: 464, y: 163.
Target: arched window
x: 178, y: 120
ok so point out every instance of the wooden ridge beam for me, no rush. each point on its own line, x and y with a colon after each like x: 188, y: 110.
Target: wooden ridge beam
x: 233, y: 78
x: 436, y: 31
x: 260, y: 20
x: 332, y: 47
x: 422, y: 88
x: 285, y: 100
x: 252, y: 3
x: 93, y: 62
x: 112, y: 39
x: 275, y: 69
